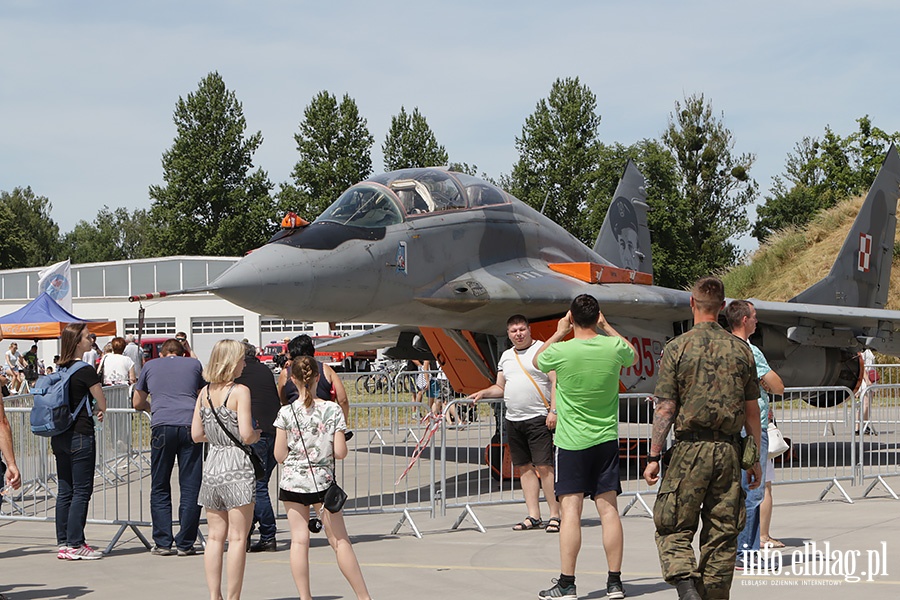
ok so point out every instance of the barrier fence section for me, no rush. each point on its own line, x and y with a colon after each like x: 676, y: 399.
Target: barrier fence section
x: 406, y: 458
x: 818, y: 423
x: 121, y: 476
x: 878, y: 423
x: 476, y: 469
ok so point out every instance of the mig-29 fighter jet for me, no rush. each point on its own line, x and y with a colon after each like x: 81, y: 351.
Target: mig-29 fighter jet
x: 450, y: 257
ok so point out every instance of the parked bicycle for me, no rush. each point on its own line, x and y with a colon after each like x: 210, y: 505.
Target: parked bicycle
x: 386, y: 381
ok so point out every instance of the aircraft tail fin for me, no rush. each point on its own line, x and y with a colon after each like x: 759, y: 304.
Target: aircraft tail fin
x: 860, y: 276
x: 624, y: 238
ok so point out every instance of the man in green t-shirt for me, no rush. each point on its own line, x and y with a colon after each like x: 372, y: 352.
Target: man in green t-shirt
x: 587, y: 435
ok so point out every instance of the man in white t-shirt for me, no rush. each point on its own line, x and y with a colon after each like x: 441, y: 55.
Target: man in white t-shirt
x: 529, y: 396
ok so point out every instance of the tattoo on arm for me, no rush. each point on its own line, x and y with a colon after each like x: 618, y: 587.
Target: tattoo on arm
x: 662, y: 422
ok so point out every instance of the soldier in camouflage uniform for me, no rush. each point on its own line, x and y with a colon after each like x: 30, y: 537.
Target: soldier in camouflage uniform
x: 708, y: 388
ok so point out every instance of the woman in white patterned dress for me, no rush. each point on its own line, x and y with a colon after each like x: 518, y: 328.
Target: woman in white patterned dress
x: 228, y: 488
x: 308, y: 471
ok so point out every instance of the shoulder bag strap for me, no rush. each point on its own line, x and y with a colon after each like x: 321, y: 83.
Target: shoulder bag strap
x: 231, y: 436
x: 533, y: 382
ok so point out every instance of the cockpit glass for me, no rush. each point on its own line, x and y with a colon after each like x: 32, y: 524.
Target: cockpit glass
x: 424, y: 190
x: 363, y: 206
x: 480, y: 192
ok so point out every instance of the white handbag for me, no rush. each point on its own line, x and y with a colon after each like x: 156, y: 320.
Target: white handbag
x: 777, y: 445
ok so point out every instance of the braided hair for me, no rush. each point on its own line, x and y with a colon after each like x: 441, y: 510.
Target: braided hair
x: 304, y: 371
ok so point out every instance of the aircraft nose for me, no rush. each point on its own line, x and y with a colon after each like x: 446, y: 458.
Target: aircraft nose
x: 267, y: 280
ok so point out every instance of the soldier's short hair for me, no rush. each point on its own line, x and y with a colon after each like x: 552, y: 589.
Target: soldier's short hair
x: 516, y: 320
x: 709, y: 294
x: 736, y: 311
x: 585, y: 310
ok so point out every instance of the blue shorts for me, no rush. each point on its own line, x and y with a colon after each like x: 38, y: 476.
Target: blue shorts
x: 592, y: 471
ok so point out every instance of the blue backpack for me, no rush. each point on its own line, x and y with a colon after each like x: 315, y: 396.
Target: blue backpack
x: 51, y: 414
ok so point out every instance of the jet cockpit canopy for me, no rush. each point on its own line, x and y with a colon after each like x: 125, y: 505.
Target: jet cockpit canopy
x: 387, y: 199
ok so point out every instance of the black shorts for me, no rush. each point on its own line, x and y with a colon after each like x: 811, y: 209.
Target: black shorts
x: 592, y: 471
x: 530, y: 442
x: 301, y: 498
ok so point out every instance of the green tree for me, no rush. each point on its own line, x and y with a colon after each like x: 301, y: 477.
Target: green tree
x: 714, y: 190
x: 335, y: 152
x: 112, y: 235
x: 819, y: 174
x: 558, y: 157
x: 211, y: 204
x: 32, y: 231
x: 410, y: 142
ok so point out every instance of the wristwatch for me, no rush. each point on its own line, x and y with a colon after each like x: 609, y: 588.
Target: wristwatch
x: 553, y: 410
x: 653, y: 459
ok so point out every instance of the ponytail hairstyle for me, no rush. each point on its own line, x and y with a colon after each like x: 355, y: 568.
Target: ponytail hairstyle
x: 304, y: 371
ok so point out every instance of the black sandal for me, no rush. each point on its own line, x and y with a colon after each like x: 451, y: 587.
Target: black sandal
x: 528, y: 523
x: 552, y: 525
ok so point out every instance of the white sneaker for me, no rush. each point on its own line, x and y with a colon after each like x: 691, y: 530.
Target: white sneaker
x: 84, y: 552
x: 61, y: 552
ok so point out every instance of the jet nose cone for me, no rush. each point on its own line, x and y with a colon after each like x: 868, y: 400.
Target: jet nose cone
x: 266, y: 280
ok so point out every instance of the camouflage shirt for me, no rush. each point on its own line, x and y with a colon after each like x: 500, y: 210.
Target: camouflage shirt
x: 709, y: 373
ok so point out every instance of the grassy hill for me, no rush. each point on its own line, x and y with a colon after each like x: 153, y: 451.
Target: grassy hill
x: 794, y: 259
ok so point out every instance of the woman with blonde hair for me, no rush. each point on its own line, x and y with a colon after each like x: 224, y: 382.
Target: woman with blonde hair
x: 228, y: 487
x: 309, y: 436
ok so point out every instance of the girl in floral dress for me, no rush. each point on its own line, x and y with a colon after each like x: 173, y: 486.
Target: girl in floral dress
x: 308, y: 470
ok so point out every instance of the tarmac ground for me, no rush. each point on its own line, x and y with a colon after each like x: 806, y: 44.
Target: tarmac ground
x: 830, y: 543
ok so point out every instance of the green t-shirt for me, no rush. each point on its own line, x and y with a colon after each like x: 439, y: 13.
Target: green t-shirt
x: 587, y: 388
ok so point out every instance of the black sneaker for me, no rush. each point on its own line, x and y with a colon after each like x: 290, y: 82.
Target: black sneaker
x: 264, y: 546
x: 160, y: 551
x: 187, y: 551
x: 615, y: 590
x: 557, y: 591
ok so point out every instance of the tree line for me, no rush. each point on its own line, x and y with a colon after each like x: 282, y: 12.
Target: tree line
x: 215, y: 201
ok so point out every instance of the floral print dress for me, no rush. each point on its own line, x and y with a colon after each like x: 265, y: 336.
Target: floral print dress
x: 317, y: 425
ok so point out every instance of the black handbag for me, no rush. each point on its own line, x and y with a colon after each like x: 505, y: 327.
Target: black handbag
x: 259, y: 471
x: 334, y: 496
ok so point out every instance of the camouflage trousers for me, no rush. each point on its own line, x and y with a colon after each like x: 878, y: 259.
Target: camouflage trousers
x: 701, y: 482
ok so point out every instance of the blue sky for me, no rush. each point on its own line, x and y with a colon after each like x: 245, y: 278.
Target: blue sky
x: 87, y: 89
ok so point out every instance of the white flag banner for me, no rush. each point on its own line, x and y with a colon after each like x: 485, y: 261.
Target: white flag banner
x: 56, y: 280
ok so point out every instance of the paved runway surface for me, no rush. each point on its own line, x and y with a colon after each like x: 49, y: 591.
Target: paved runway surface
x: 465, y: 563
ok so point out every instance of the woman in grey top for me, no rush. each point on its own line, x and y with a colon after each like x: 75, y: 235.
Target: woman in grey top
x: 229, y: 486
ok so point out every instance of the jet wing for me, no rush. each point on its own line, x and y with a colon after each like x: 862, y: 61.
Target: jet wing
x: 373, y: 339
x: 833, y: 326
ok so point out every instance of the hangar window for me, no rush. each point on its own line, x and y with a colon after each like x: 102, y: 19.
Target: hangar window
x: 151, y: 327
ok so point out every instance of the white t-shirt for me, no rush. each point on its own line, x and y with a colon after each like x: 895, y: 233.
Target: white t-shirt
x: 90, y: 357
x: 522, y: 399
x: 115, y: 368
x: 12, y: 360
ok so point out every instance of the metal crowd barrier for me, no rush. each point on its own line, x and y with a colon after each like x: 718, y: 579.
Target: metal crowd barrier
x: 819, y: 424
x: 878, y: 444
x: 121, y: 481
x: 404, y: 461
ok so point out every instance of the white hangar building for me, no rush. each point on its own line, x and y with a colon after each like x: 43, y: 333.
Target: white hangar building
x: 101, y: 291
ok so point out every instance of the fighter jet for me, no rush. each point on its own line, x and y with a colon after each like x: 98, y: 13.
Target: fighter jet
x: 450, y: 257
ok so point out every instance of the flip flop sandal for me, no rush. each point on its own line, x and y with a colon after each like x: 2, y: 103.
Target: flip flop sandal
x: 773, y: 542
x: 552, y: 525
x: 528, y: 523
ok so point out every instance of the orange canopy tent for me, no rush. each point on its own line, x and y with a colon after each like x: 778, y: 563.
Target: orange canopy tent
x: 44, y: 319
